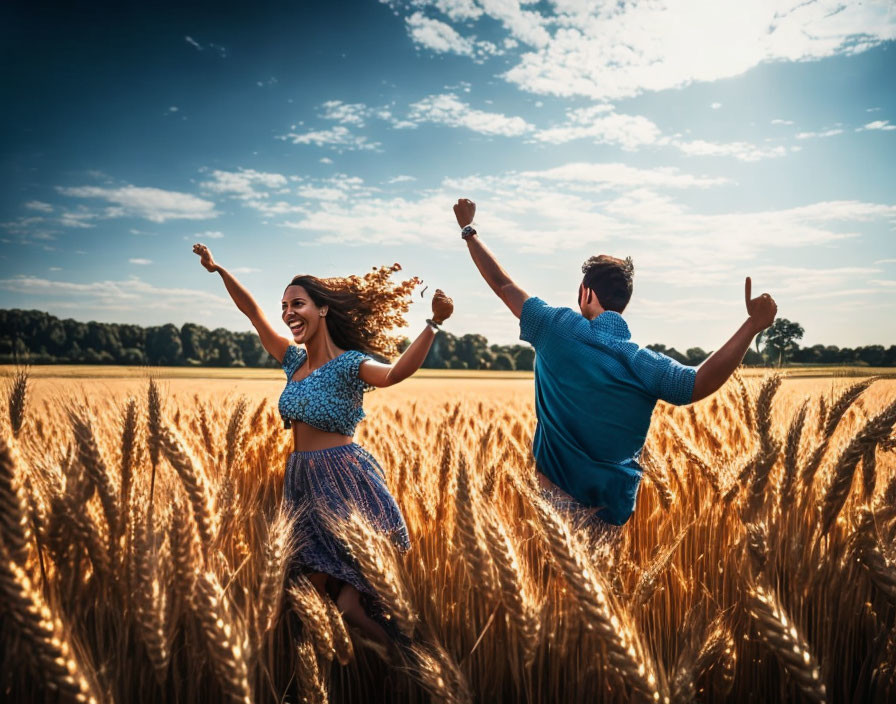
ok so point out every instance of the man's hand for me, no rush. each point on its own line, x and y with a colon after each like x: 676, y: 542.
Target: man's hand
x: 762, y: 309
x: 205, y: 257
x: 464, y: 211
x: 442, y: 307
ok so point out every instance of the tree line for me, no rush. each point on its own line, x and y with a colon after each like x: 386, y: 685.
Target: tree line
x: 40, y: 338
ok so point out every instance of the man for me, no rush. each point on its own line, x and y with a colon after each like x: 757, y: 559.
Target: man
x: 595, y: 389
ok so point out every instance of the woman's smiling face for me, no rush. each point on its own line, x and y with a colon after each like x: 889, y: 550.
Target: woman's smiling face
x: 300, y: 313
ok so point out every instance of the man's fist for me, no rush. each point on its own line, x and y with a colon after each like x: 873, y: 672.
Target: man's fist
x: 442, y: 306
x: 762, y: 309
x: 464, y: 211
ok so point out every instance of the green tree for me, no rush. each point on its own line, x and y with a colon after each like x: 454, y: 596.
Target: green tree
x: 780, y: 338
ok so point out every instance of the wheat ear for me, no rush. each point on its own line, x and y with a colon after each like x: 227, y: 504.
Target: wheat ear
x: 225, y: 637
x: 14, y: 523
x: 61, y: 667
x: 17, y: 398
x: 312, y: 611
x: 186, y: 467
x: 778, y: 632
x: 151, y: 599
x: 594, y: 598
x: 874, y: 430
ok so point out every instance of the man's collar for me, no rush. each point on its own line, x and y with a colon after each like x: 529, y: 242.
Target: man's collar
x: 611, y: 323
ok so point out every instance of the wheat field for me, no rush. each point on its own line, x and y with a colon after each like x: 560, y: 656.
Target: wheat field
x: 144, y: 550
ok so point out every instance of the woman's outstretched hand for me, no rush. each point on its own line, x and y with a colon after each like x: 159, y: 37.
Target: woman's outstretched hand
x: 464, y: 211
x: 205, y: 257
x: 442, y: 306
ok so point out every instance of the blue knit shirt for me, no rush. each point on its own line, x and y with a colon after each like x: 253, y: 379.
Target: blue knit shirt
x: 330, y: 398
x: 595, y: 391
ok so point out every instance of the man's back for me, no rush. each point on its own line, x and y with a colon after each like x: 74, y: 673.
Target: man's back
x: 595, y: 391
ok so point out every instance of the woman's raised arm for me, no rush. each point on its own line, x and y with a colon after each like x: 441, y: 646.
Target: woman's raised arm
x: 378, y: 374
x: 275, y: 344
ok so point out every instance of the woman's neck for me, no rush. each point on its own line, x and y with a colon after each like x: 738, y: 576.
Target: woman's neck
x: 321, y: 349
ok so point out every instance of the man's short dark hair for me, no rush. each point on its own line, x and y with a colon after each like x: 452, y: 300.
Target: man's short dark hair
x: 610, y: 279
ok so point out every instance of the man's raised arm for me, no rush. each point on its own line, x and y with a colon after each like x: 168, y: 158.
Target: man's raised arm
x: 500, y: 282
x: 721, y: 364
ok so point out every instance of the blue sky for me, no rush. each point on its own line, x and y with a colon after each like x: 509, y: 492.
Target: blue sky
x: 709, y: 140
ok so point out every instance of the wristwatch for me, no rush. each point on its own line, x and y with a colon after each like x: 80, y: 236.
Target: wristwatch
x: 467, y: 232
x: 433, y: 324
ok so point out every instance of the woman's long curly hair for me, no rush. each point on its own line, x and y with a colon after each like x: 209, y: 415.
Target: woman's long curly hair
x: 362, y: 309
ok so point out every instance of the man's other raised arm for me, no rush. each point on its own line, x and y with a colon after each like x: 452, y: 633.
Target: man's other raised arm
x: 721, y: 364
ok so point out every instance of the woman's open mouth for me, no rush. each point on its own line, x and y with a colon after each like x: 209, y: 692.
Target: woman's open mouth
x: 297, y: 327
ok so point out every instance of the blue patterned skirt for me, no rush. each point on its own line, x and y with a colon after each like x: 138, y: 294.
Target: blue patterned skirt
x: 332, y: 482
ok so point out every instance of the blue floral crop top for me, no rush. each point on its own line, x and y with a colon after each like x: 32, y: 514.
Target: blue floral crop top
x: 330, y: 398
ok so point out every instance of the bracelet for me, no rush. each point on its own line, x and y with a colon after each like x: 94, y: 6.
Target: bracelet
x: 467, y: 232
x: 433, y: 324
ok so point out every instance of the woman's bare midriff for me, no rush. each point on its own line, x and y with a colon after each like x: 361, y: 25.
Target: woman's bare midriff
x: 306, y: 438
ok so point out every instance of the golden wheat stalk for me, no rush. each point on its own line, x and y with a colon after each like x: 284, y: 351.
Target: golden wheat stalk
x: 780, y: 634
x: 516, y: 594
x: 62, y: 667
x: 791, y: 451
x: 439, y: 674
x: 91, y: 458
x: 705, y: 646
x: 468, y: 533
x: 376, y: 557
x: 594, y: 598
x: 236, y: 434
x: 17, y: 399
x: 126, y: 469
x: 185, y: 552
x: 312, y: 611
x: 225, y: 637
x: 868, y: 549
x: 831, y: 420
x: 311, y: 685
x: 649, y: 578
x: 342, y: 642
x: 151, y: 598
x: 187, y: 469
x: 865, y: 440
x: 14, y: 523
x: 277, y: 549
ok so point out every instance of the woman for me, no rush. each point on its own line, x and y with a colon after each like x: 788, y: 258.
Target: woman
x: 337, y: 321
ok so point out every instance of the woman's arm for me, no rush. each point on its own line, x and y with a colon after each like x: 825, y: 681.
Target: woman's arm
x: 378, y: 374
x: 274, y: 344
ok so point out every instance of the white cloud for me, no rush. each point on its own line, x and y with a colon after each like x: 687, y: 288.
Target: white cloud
x: 338, y: 136
x: 823, y: 133
x: 244, y: 184
x: 39, y: 206
x: 604, y: 126
x: 210, y: 235
x: 437, y: 36
x: 140, y: 261
x: 345, y: 113
x: 744, y: 151
x: 459, y: 9
x: 782, y: 122
x: 325, y: 160
x: 244, y: 270
x: 615, y: 50
x: 401, y: 178
x: 877, y: 125
x: 715, y: 106
x: 193, y: 42
x: 153, y: 204
x: 447, y: 109
x: 130, y: 294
